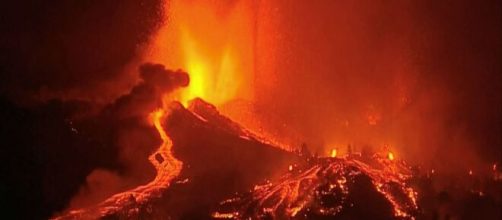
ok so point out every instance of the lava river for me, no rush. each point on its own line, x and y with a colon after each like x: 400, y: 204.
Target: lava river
x: 167, y: 168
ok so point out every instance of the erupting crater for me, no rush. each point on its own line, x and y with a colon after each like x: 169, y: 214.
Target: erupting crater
x: 206, y: 158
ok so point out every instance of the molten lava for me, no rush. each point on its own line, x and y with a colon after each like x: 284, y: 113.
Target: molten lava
x: 213, y: 41
x: 165, y: 163
x: 166, y: 166
x: 330, y: 187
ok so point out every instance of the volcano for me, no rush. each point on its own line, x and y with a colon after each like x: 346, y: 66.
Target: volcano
x: 230, y: 172
x: 251, y: 109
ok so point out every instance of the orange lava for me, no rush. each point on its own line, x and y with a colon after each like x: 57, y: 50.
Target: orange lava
x: 213, y: 41
x: 296, y: 191
x: 168, y: 167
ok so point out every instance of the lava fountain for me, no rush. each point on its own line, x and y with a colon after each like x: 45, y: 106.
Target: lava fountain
x: 214, y: 43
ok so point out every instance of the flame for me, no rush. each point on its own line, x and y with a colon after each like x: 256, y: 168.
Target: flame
x: 218, y: 82
x: 213, y: 42
x: 333, y: 153
x: 390, y: 156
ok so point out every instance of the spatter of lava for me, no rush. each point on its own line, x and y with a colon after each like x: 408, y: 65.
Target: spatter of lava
x: 339, y: 188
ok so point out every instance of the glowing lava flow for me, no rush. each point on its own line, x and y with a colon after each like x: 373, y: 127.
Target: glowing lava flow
x: 164, y: 162
x: 167, y: 167
x: 328, y: 187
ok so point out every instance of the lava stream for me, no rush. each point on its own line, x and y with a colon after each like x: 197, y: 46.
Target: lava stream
x: 166, y: 165
x: 328, y: 187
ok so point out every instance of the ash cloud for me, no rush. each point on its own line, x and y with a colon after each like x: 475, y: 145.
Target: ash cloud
x: 147, y: 95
